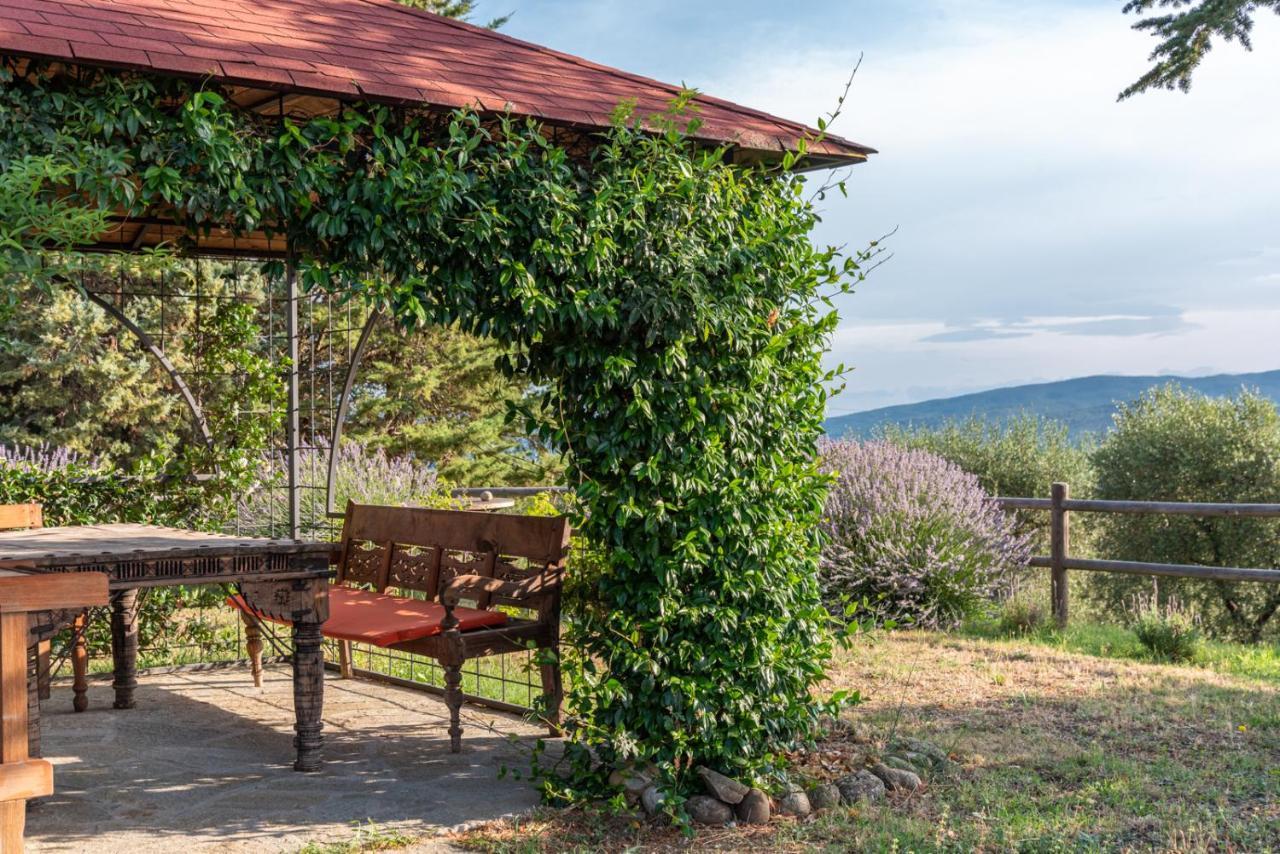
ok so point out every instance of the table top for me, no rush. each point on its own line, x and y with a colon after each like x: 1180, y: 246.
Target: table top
x: 78, y: 544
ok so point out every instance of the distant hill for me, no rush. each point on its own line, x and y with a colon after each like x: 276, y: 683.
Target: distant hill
x: 1085, y: 404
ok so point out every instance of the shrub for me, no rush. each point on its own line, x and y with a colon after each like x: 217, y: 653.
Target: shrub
x: 1019, y: 456
x: 1020, y: 616
x: 365, y: 476
x: 1168, y: 632
x: 82, y: 491
x: 912, y: 537
x: 76, y: 490
x: 1176, y: 445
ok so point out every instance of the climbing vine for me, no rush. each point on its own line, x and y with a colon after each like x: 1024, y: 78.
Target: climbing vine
x: 669, y: 308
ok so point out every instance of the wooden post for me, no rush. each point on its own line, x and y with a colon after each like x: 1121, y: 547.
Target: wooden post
x: 13, y: 722
x: 1059, y: 543
x: 292, y: 405
x: 23, y: 777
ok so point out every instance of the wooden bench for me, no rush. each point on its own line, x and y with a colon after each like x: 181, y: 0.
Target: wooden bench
x: 23, y: 776
x: 464, y: 567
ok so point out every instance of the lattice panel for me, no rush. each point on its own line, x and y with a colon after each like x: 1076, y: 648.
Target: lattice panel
x: 364, y: 563
x: 412, y: 568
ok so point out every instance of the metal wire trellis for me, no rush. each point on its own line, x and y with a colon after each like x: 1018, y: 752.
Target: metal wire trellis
x: 311, y: 343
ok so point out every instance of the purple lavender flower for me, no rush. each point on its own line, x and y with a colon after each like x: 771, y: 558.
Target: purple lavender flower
x: 912, y: 537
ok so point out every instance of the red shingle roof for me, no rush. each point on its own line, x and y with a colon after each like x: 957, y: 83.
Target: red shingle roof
x: 370, y: 49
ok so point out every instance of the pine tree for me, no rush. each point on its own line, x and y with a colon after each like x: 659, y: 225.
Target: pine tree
x: 70, y: 376
x: 1187, y: 35
x: 437, y: 395
x: 460, y: 9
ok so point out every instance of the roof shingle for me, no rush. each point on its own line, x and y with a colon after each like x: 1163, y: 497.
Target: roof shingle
x: 375, y: 49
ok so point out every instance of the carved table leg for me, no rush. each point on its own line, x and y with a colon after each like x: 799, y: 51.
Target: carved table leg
x: 80, y: 663
x: 124, y: 646
x: 303, y: 602
x: 308, y: 694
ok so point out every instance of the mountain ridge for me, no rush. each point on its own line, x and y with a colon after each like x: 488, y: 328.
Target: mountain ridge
x: 1084, y: 404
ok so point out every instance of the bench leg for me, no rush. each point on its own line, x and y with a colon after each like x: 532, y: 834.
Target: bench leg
x: 253, y: 645
x: 344, y: 659
x: 455, y: 654
x: 553, y: 694
x: 80, y: 662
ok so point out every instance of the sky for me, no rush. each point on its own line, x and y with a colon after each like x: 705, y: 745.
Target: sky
x: 1041, y: 230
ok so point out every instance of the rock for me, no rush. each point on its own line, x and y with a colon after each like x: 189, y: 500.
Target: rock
x: 860, y: 786
x: 919, y: 760
x: 651, y: 799
x: 633, y: 787
x: 723, y: 788
x: 895, y: 779
x: 902, y: 764
x: 754, y: 808
x: 796, y: 803
x: 707, y: 810
x: 824, y: 796
x: 907, y: 746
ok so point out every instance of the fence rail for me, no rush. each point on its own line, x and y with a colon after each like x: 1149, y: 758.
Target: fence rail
x: 1060, y: 505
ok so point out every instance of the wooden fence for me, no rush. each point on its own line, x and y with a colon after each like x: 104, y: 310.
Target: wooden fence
x: 1060, y: 506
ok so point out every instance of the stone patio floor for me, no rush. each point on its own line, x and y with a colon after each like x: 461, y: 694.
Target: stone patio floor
x: 204, y: 763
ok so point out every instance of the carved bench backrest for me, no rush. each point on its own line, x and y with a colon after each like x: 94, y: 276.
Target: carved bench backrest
x: 419, y: 549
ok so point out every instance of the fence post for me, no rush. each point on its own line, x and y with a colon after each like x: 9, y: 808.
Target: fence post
x: 1059, y: 543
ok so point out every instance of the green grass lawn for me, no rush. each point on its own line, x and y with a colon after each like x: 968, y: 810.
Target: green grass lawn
x: 1062, y: 743
x: 1259, y: 661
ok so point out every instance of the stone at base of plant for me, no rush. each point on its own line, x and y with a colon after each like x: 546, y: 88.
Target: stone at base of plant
x: 860, y: 786
x: 897, y: 779
x: 755, y: 808
x: 795, y: 803
x: 704, y: 809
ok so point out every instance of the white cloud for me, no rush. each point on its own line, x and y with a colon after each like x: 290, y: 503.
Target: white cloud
x: 1046, y: 231
x: 1086, y: 236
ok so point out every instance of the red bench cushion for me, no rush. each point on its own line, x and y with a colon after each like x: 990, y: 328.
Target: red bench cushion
x: 382, y: 620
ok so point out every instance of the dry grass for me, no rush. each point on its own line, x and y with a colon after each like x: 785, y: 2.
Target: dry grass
x: 1057, y: 752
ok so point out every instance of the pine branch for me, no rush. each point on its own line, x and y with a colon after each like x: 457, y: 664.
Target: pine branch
x: 1187, y: 34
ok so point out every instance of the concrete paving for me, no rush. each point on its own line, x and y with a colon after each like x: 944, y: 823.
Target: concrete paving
x: 204, y: 764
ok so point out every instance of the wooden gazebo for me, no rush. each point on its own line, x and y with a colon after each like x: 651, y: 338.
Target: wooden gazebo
x: 303, y: 58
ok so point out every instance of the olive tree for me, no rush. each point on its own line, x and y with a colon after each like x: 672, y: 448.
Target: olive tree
x: 1176, y: 445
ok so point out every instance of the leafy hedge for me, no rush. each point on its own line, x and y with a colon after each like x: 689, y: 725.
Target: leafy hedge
x: 666, y: 306
x: 78, y: 491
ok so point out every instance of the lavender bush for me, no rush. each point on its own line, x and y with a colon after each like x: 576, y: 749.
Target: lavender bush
x: 912, y: 537
x: 365, y: 476
x: 78, y: 490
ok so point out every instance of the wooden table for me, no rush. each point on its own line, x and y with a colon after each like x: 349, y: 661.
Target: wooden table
x: 283, y: 579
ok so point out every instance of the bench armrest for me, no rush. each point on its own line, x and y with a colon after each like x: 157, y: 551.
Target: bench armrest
x: 545, y: 582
